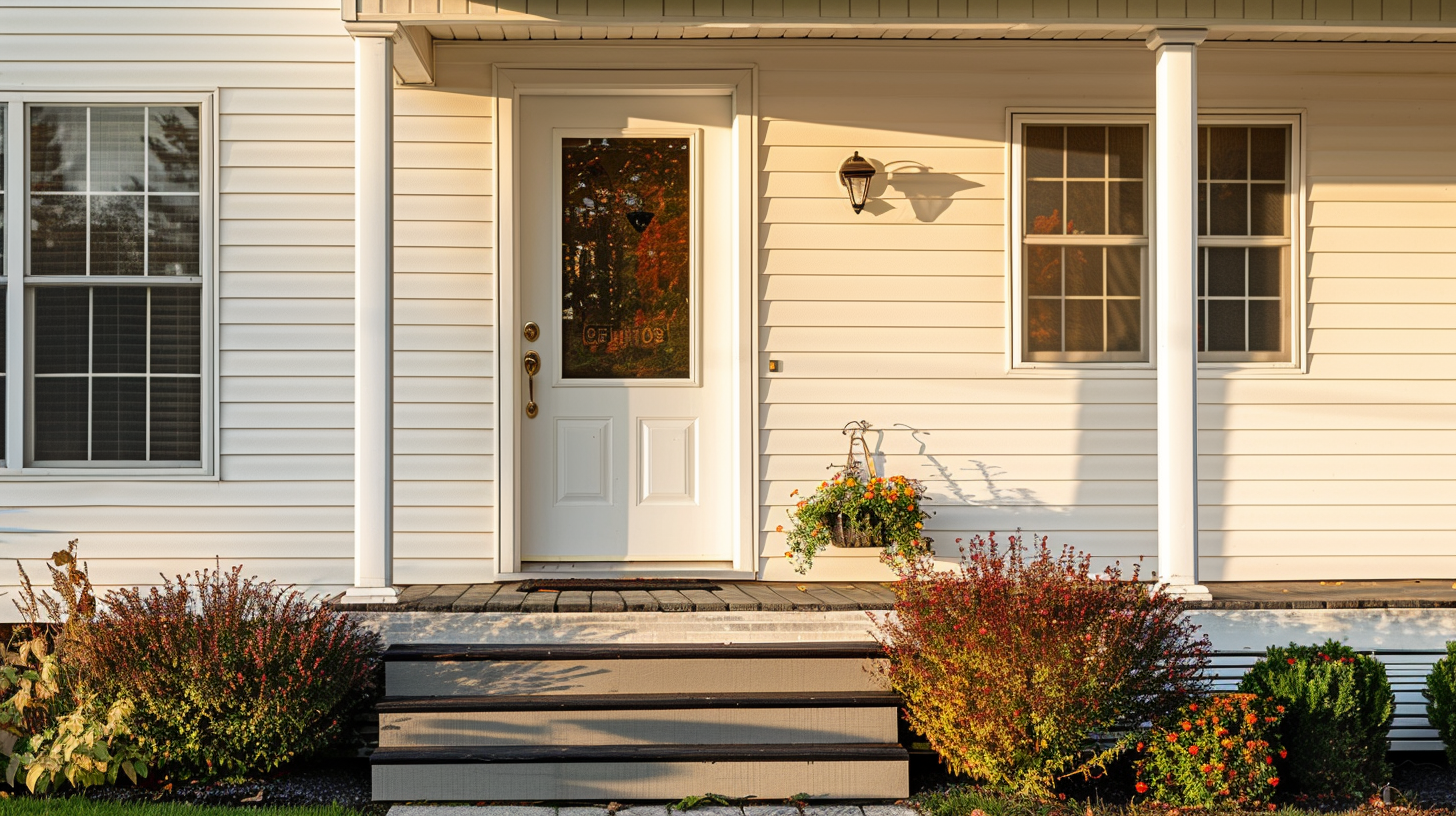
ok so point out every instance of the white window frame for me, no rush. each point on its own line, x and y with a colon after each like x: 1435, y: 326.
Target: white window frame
x: 16, y: 263
x: 1297, y: 308
x: 1016, y: 217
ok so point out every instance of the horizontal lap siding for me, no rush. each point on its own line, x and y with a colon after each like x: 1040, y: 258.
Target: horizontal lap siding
x: 1355, y: 451
x: 284, y: 504
x: 444, y: 331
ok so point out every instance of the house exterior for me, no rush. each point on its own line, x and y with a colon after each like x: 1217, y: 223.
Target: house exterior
x: 1169, y: 281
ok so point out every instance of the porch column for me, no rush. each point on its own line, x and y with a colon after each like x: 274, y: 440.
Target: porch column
x: 1175, y: 241
x: 373, y: 314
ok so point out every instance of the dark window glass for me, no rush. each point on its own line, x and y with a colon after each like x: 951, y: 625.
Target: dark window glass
x: 62, y: 330
x: 1124, y: 271
x: 119, y: 419
x: 1086, y: 208
x: 1044, y: 207
x: 176, y: 330
x: 1043, y: 270
x: 1044, y: 152
x: 1084, y: 271
x: 1269, y: 158
x: 1084, y: 325
x: 1268, y: 211
x: 57, y: 149
x: 1226, y: 325
x: 119, y: 330
x: 1124, y: 322
x: 1086, y: 152
x: 1125, y: 152
x: 1125, y: 198
x: 176, y: 423
x: 1266, y: 329
x: 62, y: 418
x: 1229, y: 153
x: 1228, y: 209
x: 1225, y: 272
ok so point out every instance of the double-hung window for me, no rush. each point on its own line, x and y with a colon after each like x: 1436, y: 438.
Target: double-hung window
x: 1245, y: 242
x: 1082, y: 252
x: 113, y: 269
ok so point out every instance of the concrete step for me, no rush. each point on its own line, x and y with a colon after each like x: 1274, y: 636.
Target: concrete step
x: 430, y: 670
x: 627, y: 773
x: 639, y: 719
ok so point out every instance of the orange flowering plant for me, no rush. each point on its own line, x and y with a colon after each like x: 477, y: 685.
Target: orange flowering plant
x: 856, y: 509
x: 1222, y: 751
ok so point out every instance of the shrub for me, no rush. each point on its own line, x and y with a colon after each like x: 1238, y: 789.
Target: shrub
x: 1440, y: 693
x: 1338, y: 707
x: 231, y: 675
x: 1010, y: 667
x: 1218, y: 752
x: 53, y: 725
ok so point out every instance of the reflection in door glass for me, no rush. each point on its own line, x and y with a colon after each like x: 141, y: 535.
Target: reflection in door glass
x: 625, y: 258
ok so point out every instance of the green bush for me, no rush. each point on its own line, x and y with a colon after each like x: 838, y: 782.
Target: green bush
x: 231, y: 676
x: 1440, y: 694
x: 1218, y: 752
x: 1338, y: 708
x: 1011, y: 665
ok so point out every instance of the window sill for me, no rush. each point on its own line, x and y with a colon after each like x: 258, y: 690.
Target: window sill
x: 91, y: 474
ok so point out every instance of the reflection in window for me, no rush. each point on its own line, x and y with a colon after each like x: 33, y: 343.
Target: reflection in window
x: 1244, y: 243
x: 1084, y: 242
x: 626, y: 262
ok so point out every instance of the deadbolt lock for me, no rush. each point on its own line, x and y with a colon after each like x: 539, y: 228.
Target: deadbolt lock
x: 532, y: 332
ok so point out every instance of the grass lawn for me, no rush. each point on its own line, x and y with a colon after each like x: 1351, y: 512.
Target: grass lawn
x: 78, y: 806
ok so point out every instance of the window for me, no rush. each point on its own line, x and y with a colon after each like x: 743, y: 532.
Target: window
x: 1244, y: 243
x: 1083, y: 252
x: 114, y: 277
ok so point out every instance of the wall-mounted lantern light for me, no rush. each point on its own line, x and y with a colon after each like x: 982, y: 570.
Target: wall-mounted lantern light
x: 855, y: 175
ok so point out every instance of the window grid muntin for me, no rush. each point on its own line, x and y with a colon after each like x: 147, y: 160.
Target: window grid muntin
x: 147, y: 279
x: 1064, y: 241
x: 89, y: 194
x: 1207, y: 240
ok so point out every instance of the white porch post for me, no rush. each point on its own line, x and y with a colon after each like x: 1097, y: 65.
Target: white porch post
x: 1175, y: 242
x: 373, y: 314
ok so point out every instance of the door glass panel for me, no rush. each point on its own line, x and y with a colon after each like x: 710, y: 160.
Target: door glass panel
x: 626, y: 263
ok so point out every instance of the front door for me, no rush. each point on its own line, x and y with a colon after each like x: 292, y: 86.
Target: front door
x: 626, y: 304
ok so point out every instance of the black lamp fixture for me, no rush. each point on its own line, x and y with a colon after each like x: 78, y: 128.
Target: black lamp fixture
x: 855, y: 175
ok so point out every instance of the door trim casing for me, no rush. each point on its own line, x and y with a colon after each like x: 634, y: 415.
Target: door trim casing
x: 510, y: 85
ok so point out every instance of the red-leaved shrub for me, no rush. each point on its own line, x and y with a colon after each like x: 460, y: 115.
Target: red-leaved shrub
x: 1012, y: 666
x: 230, y: 675
x: 1221, y: 751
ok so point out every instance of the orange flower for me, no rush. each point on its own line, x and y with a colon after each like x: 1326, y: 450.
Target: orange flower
x: 801, y: 504
x: 1141, y: 787
x: 779, y: 529
x: 794, y: 493
x: 1193, y: 750
x: 1172, y: 738
x: 1206, y: 769
x: 1274, y: 781
x: 1187, y: 726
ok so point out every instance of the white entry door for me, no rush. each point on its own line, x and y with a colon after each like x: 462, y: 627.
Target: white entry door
x: 625, y: 271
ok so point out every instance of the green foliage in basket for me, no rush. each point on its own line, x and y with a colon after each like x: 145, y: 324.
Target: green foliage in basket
x: 888, y: 509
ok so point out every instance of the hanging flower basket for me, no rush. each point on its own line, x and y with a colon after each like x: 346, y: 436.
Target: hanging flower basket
x: 857, y: 509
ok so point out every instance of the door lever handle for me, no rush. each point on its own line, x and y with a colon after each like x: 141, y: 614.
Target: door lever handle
x: 533, y: 367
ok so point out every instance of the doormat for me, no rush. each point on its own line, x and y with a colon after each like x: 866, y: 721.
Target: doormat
x: 612, y: 584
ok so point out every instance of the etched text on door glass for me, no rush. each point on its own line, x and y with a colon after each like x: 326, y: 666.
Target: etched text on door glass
x: 626, y: 264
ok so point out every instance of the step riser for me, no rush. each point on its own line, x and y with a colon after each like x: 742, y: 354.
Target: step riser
x: 445, y: 678
x: 622, y: 781
x: 721, y: 726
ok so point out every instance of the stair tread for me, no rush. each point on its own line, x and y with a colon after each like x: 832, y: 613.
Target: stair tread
x: 610, y: 702
x: 628, y: 651
x: 866, y: 752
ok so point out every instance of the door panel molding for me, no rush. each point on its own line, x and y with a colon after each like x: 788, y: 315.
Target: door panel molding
x: 510, y: 85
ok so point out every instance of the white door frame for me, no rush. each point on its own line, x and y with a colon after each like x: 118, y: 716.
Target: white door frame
x: 511, y: 83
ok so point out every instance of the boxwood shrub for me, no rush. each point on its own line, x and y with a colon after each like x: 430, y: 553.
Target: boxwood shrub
x: 1338, y: 709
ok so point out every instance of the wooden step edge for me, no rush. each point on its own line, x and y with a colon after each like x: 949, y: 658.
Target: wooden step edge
x: 635, y: 702
x: 407, y: 652
x: 848, y: 752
